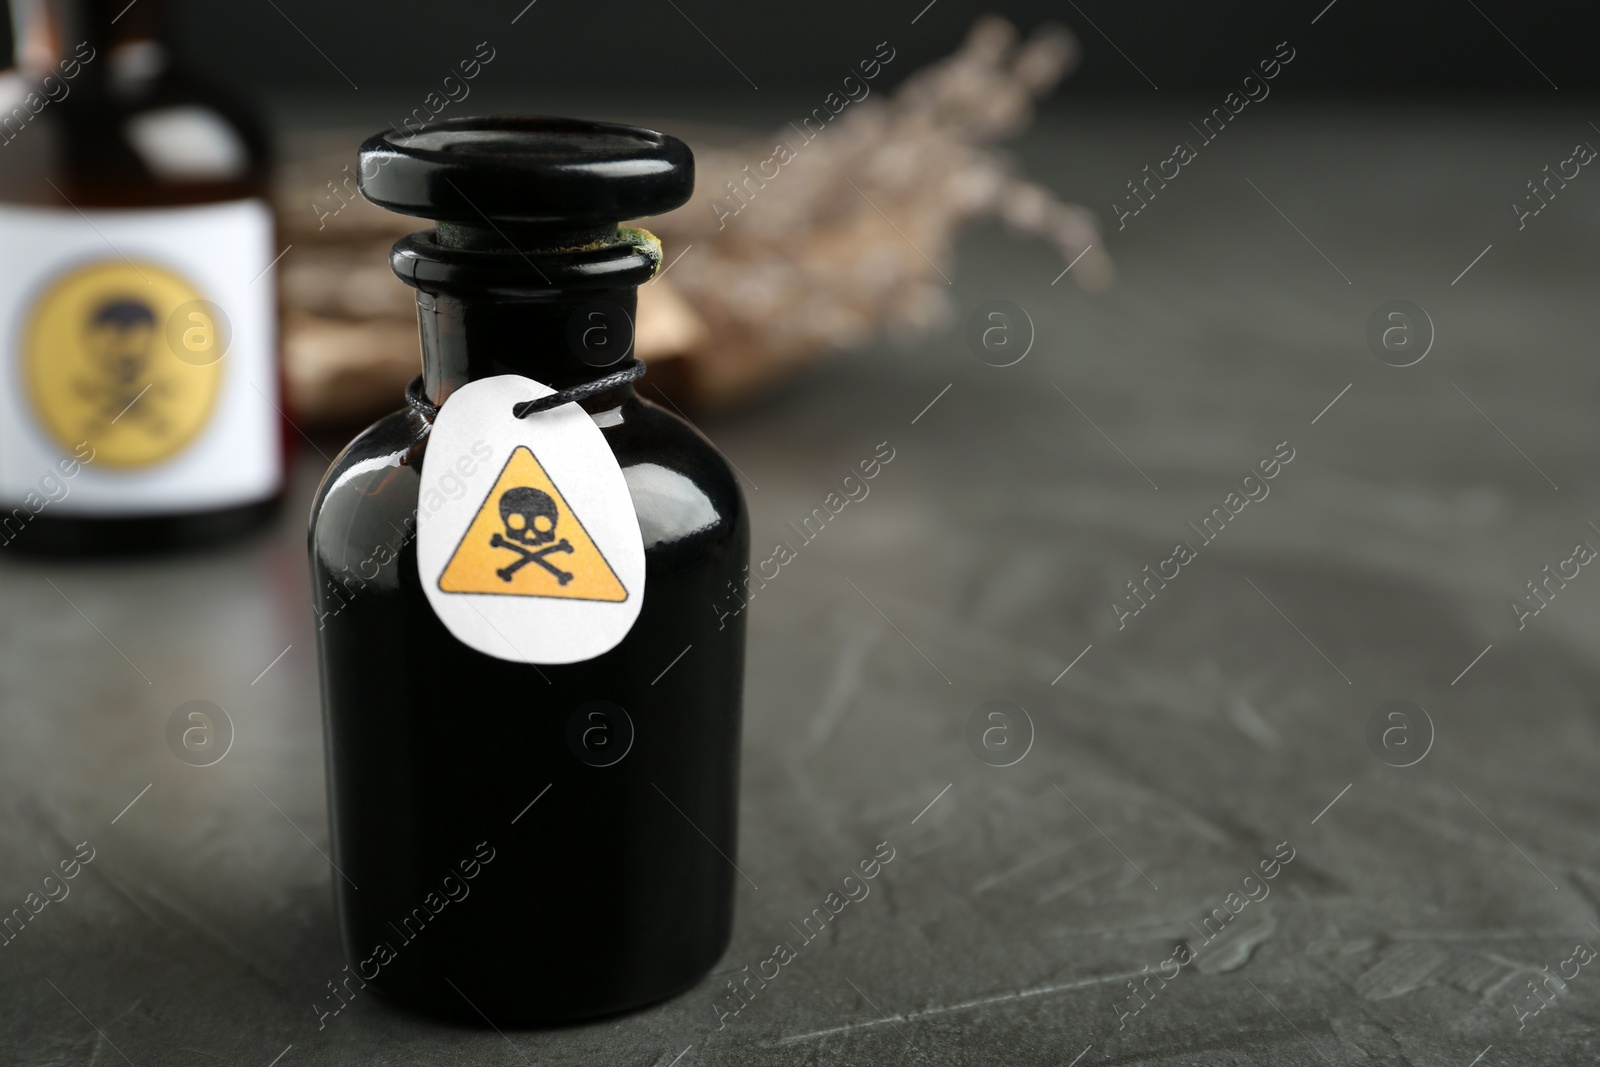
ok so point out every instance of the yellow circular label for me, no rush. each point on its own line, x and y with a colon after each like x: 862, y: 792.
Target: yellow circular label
x: 126, y: 356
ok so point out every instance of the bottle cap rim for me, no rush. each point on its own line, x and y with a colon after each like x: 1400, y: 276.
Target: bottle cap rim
x: 526, y: 170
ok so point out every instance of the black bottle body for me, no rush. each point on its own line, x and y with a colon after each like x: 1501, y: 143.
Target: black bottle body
x: 615, y: 887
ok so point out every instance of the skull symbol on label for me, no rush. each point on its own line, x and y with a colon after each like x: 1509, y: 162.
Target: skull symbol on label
x: 530, y: 518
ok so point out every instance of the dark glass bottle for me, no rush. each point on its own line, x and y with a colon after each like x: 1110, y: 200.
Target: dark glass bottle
x: 138, y: 317
x: 593, y: 888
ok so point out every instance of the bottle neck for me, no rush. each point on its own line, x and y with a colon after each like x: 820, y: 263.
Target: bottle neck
x: 561, y: 339
x: 48, y: 32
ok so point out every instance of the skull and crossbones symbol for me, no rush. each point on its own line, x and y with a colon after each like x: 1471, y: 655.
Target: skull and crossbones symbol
x: 119, y: 337
x: 530, y: 520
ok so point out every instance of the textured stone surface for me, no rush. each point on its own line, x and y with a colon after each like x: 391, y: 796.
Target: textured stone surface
x: 1178, y: 752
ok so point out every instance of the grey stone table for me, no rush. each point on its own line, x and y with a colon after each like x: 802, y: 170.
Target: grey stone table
x: 1032, y: 913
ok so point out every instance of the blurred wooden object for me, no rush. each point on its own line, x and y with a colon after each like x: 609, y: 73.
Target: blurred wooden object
x: 850, y: 238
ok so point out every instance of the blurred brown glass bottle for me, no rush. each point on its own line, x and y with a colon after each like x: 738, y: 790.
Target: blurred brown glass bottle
x: 138, y: 314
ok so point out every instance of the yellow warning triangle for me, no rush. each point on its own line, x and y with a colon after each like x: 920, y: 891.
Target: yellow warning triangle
x: 526, y: 541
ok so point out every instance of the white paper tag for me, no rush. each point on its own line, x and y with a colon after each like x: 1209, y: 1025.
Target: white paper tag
x: 547, y: 566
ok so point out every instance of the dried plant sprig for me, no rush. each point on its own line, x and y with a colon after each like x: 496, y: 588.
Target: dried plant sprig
x: 836, y: 231
x: 854, y: 235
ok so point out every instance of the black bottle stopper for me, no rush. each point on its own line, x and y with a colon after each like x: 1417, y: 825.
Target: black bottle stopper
x: 531, y: 183
x: 528, y: 240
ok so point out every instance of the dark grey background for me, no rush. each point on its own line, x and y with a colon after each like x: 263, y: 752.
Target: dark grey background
x: 1431, y: 48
